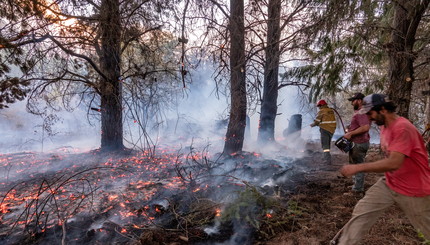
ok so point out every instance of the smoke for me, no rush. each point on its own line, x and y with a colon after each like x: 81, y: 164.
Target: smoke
x: 201, y: 117
x: 198, y: 115
x: 196, y: 126
x: 198, y: 118
x: 23, y: 131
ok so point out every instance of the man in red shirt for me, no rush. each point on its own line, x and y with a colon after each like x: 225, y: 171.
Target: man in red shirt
x: 358, y: 132
x: 407, y: 174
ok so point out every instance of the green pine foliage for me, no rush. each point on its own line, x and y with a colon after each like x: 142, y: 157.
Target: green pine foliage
x: 266, y: 215
x: 12, y: 90
x: 249, y: 207
x: 348, y: 51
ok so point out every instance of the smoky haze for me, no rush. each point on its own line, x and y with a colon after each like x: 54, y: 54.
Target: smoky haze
x: 197, y: 118
x: 196, y: 122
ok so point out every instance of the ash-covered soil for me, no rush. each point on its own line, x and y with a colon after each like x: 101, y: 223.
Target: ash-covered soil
x: 176, y: 199
x: 326, y: 204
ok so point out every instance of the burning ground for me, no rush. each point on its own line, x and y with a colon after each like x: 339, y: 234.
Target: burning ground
x: 136, y: 197
x: 178, y: 197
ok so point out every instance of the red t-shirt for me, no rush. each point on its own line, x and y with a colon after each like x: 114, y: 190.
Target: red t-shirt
x: 413, y: 177
x: 357, y: 121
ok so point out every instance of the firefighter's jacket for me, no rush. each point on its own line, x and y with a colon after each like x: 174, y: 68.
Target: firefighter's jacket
x: 325, y: 119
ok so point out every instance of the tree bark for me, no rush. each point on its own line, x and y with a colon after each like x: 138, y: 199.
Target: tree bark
x: 401, y: 55
x: 236, y: 126
x: 111, y: 88
x: 269, y: 107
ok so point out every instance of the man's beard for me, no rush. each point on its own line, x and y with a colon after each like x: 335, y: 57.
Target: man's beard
x: 356, y: 107
x: 380, y: 119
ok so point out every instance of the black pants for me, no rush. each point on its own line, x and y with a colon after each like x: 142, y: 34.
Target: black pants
x: 325, y: 139
x: 325, y: 143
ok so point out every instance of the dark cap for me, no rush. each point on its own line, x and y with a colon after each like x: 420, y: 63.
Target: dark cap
x: 371, y: 101
x: 357, y: 96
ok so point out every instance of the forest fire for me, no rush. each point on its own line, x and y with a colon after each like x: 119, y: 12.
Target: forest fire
x: 90, y: 197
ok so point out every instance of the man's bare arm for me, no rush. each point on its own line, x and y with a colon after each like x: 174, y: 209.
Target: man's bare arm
x: 393, y: 162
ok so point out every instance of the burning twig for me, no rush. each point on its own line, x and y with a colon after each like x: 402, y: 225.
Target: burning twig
x: 195, y: 166
x: 51, y: 197
x: 122, y: 233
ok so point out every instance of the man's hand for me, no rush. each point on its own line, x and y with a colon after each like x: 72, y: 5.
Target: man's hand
x: 349, y: 170
x: 348, y: 136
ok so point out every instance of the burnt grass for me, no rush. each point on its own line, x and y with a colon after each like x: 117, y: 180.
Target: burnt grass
x: 315, y: 204
x: 306, y: 202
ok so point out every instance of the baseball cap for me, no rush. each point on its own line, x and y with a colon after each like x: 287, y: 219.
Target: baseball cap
x: 357, y: 96
x: 371, y: 101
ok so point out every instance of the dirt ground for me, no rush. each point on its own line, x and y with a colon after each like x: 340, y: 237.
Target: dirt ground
x: 327, y: 202
x: 322, y: 198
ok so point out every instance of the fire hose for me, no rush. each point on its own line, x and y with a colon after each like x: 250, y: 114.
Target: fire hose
x: 340, y: 119
x: 342, y: 143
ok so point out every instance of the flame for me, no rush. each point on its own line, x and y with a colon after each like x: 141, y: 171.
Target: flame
x: 218, y: 212
x: 126, y: 214
x: 142, y: 178
x: 112, y: 197
x: 4, y: 208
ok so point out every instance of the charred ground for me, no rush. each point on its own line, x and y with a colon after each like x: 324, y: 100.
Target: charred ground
x: 183, y: 199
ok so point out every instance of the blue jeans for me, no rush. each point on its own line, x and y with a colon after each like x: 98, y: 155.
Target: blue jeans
x: 356, y: 156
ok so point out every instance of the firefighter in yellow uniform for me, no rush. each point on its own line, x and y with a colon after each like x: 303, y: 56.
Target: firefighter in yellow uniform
x: 326, y: 120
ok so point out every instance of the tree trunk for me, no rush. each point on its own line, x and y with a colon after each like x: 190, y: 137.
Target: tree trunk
x: 269, y: 107
x: 111, y: 88
x: 407, y: 17
x: 236, y: 125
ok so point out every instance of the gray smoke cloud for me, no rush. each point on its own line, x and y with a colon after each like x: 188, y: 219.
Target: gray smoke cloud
x: 196, y: 118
